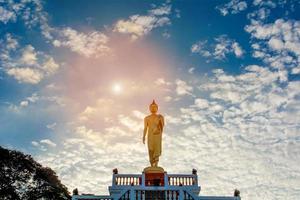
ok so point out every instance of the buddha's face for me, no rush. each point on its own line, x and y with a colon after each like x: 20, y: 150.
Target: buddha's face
x: 153, y: 108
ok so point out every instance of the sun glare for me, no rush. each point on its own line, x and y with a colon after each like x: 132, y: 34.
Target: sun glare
x: 117, y: 88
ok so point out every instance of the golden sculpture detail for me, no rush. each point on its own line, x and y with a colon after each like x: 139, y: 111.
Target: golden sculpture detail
x: 153, y: 128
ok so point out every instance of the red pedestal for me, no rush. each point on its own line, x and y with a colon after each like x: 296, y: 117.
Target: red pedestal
x: 154, y: 179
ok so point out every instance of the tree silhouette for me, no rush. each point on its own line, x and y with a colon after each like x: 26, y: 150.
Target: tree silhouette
x: 21, y: 177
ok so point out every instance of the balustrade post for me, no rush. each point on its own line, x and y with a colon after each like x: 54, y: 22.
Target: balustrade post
x: 115, y: 171
x: 196, y: 179
x: 166, y: 180
x: 194, y: 172
x: 132, y: 194
x: 143, y: 179
x: 113, y: 180
x: 181, y: 197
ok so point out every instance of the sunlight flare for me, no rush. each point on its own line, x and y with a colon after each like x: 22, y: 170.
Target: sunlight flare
x: 117, y: 88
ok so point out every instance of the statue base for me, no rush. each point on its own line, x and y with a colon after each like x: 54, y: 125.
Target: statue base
x: 154, y: 170
x: 154, y: 176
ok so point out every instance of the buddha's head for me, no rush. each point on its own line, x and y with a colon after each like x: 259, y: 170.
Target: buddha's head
x: 153, y: 107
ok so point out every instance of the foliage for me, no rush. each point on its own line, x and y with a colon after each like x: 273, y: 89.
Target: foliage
x: 21, y: 177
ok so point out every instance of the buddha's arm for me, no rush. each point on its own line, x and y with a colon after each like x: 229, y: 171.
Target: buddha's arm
x: 162, y: 123
x: 145, y: 129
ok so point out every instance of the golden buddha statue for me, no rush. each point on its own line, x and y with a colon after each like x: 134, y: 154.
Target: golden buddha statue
x: 153, y: 128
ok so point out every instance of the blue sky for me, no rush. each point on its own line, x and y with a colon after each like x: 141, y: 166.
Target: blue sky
x: 76, y: 79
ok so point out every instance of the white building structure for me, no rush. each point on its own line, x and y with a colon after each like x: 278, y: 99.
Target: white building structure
x: 155, y: 186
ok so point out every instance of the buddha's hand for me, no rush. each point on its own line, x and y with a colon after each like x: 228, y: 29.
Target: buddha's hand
x: 143, y: 140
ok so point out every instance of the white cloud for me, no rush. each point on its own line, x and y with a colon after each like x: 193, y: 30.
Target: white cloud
x: 224, y: 46
x: 162, y: 81
x: 30, y: 12
x: 233, y: 122
x: 89, y: 152
x: 249, y: 117
x: 87, y: 133
x: 232, y: 7
x: 260, y: 14
x: 132, y: 124
x: 177, y: 13
x: 6, y: 15
x: 296, y: 70
x: 33, y: 98
x: 199, y: 48
x: 182, y: 88
x: 27, y: 65
x: 140, y: 25
x: 191, y: 70
x: 44, y: 144
x: 166, y: 34
x: 24, y: 103
x: 29, y: 55
x: 26, y: 75
x: 219, y: 49
x: 237, y: 49
x: 90, y: 44
x: 172, y: 120
x: 87, y: 113
x: 34, y: 143
x: 253, y: 122
x: 267, y: 3
x: 11, y: 43
x: 80, y: 167
x: 92, y: 113
x: 139, y: 114
x: 48, y: 142
x: 201, y: 103
x: 167, y: 98
x: 266, y: 31
x: 162, y: 10
x: 50, y: 66
x: 51, y: 126
x: 277, y: 44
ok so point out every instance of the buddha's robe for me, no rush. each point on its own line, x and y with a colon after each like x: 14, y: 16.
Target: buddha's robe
x: 154, y: 124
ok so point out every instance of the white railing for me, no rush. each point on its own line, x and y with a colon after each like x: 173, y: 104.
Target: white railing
x: 169, y: 180
x: 127, y: 179
x: 182, y: 179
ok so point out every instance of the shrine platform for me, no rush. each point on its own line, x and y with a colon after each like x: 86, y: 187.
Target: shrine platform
x: 155, y: 186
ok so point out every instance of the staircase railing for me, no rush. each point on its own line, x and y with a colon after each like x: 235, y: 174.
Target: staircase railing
x: 187, y: 195
x: 156, y: 194
x: 92, y: 197
x: 145, y: 194
x: 125, y: 196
